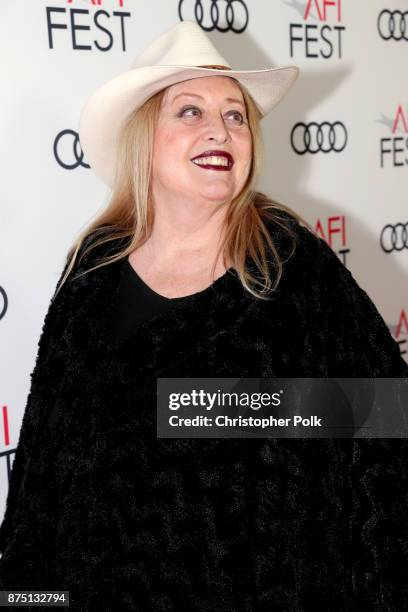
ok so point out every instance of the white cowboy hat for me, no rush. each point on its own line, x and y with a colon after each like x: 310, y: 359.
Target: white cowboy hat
x: 177, y: 55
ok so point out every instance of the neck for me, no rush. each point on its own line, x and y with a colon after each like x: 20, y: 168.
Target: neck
x: 186, y: 235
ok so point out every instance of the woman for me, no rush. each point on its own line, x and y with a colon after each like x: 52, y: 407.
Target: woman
x: 191, y: 272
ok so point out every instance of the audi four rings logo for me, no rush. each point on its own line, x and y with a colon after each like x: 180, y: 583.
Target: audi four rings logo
x: 67, y: 144
x: 314, y: 137
x: 394, y: 237
x: 393, y: 25
x: 221, y: 15
x: 3, y: 298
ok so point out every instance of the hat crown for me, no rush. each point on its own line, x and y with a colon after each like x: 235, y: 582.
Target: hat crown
x: 182, y: 53
x: 183, y: 45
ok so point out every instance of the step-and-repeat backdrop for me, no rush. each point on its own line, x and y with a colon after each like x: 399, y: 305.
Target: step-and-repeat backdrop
x: 337, y: 146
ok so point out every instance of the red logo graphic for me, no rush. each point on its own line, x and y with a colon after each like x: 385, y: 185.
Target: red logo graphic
x: 402, y: 325
x: 98, y: 2
x: 87, y: 29
x: 323, y: 38
x: 321, y: 8
x: 395, y: 149
x: 6, y: 436
x: 6, y: 455
x: 402, y: 330
x: 400, y: 118
x: 333, y: 230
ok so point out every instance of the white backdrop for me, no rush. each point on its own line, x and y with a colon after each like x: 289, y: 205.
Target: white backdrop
x: 353, y: 57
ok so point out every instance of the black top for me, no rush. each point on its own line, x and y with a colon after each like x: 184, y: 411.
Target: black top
x: 101, y: 506
x: 136, y: 302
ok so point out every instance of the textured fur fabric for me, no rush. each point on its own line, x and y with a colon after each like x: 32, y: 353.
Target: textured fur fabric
x: 99, y: 506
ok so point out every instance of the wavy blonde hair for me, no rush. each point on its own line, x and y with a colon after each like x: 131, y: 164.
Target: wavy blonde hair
x: 130, y: 214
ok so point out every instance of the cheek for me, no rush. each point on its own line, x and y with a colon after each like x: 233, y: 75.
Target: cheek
x: 164, y: 153
x: 245, y: 153
x: 164, y: 142
x: 244, y: 145
x: 173, y: 147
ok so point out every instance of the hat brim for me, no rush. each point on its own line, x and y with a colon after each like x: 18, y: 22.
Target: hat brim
x: 106, y: 109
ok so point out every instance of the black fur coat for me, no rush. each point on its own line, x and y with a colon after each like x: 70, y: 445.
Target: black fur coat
x: 99, y: 506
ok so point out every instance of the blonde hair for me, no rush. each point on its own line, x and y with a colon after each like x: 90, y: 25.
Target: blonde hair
x: 130, y: 214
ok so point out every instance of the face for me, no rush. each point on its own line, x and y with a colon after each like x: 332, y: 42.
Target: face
x: 198, y: 117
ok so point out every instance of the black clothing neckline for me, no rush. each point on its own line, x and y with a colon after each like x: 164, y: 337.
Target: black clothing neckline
x: 223, y: 293
x: 145, y: 287
x: 135, y: 302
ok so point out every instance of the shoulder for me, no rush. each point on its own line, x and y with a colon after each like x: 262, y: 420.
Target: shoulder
x: 358, y: 340
x: 315, y: 267
x: 301, y: 249
x: 99, y: 244
x: 96, y: 246
x: 93, y: 249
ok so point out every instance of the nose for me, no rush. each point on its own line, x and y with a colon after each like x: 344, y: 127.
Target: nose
x: 217, y: 130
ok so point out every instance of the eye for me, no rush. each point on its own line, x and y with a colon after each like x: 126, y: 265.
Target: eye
x: 192, y: 111
x: 183, y: 112
x: 238, y: 117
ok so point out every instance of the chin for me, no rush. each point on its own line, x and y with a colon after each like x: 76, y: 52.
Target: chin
x: 218, y: 196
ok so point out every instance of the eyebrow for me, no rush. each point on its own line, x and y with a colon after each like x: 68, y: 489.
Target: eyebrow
x: 197, y: 96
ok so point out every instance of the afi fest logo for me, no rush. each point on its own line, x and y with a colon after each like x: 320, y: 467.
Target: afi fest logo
x: 394, y: 148
x: 7, y: 454
x: 333, y: 230
x: 99, y: 2
x: 320, y: 31
x: 87, y: 30
x: 400, y: 332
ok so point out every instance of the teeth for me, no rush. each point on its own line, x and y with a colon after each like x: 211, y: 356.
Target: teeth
x: 212, y: 161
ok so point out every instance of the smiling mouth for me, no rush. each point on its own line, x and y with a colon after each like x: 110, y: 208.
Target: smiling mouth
x: 214, y: 163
